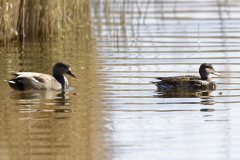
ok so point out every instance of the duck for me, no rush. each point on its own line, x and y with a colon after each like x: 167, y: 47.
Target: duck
x: 40, y: 81
x: 189, y: 82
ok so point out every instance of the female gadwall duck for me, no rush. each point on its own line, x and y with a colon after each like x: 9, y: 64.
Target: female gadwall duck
x: 40, y: 81
x: 189, y: 81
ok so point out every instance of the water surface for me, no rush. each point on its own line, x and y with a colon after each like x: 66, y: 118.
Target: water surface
x: 114, y: 112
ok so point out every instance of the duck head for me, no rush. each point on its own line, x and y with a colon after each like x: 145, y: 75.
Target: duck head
x: 61, y: 68
x: 206, y: 69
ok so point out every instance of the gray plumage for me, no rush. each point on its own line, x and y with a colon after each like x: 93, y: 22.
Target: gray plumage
x: 40, y: 81
x: 189, y: 81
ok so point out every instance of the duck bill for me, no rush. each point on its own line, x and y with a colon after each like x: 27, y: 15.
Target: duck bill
x: 71, y: 74
x: 215, y: 73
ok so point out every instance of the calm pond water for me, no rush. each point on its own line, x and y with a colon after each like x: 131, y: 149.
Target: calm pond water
x: 113, y: 111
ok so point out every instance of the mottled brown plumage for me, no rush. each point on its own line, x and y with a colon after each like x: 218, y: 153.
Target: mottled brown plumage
x: 189, y: 81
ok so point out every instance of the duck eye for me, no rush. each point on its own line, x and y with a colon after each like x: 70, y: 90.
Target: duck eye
x: 64, y: 66
x: 210, y: 67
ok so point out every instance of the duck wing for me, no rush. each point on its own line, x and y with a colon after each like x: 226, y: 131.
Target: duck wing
x: 178, y: 82
x: 179, y: 78
x: 33, y: 80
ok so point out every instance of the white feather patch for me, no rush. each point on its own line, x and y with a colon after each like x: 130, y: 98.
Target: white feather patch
x: 30, y: 78
x: 11, y: 82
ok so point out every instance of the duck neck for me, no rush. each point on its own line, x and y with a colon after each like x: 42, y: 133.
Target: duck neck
x: 204, y: 75
x: 60, y: 79
x: 206, y: 78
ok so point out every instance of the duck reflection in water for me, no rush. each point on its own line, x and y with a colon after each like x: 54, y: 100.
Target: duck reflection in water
x: 43, y: 101
x: 36, y: 97
x: 184, y: 94
x: 188, y: 85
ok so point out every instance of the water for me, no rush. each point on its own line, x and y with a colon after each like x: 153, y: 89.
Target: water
x: 113, y: 111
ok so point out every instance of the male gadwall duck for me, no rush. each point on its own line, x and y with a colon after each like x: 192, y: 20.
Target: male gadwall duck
x: 189, y: 81
x: 40, y: 81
